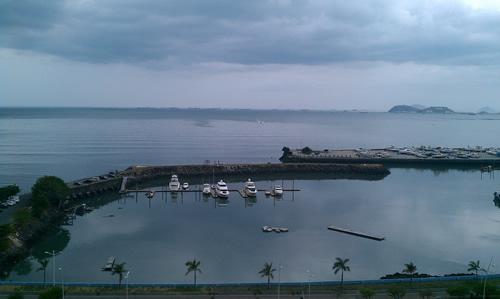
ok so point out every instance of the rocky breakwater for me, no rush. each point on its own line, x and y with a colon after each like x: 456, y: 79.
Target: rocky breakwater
x: 141, y: 174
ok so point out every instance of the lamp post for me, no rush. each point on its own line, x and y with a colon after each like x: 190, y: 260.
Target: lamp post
x: 62, y: 280
x: 486, y: 277
x: 126, y: 284
x: 310, y: 275
x: 53, y: 266
x: 279, y: 280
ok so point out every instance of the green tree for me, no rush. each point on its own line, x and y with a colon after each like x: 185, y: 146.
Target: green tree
x: 286, y: 150
x: 43, y: 266
x: 120, y: 270
x: 51, y: 293
x: 425, y: 294
x: 16, y: 295
x: 267, y: 271
x: 306, y: 150
x: 193, y: 266
x: 52, y: 188
x: 21, y: 217
x: 474, y: 266
x: 491, y: 289
x: 460, y: 291
x: 410, y: 269
x: 396, y: 292
x: 5, y: 231
x: 7, y: 191
x: 340, y: 265
x: 39, y: 205
x: 366, y: 293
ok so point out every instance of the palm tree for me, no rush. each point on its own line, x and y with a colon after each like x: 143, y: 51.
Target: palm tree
x: 473, y: 266
x: 43, y: 263
x: 340, y: 265
x: 193, y: 267
x: 267, y: 271
x: 410, y: 269
x: 119, y: 269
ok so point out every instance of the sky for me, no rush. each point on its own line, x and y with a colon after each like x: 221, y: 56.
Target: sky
x: 275, y: 54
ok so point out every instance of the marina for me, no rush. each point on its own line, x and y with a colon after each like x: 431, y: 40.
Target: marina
x: 487, y: 158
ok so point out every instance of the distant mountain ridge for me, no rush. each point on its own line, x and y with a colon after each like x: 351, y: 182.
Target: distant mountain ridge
x: 413, y: 109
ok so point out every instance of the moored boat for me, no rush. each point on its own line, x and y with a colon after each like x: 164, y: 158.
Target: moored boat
x: 250, y: 189
x: 221, y: 189
x: 185, y: 186
x: 278, y: 191
x: 206, y: 189
x: 174, y: 184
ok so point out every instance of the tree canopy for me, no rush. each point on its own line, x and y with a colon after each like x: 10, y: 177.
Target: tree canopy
x: 52, y: 188
x: 267, y: 271
x: 7, y: 191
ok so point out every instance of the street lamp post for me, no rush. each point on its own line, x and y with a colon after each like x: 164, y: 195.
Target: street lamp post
x: 126, y: 283
x: 310, y: 275
x: 486, y: 277
x: 62, y: 280
x: 279, y: 280
x: 53, y: 266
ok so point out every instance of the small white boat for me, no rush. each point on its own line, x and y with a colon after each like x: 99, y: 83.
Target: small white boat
x: 250, y: 189
x: 278, y: 191
x: 268, y: 192
x: 206, y: 189
x: 174, y: 184
x: 185, y: 186
x: 266, y: 229
x: 150, y: 194
x: 221, y: 189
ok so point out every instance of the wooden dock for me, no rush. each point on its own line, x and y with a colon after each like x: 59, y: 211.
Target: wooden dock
x: 355, y: 233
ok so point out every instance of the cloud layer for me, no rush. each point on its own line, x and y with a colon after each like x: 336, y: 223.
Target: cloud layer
x: 237, y: 35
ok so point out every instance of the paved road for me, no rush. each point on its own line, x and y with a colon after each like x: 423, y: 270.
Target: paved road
x: 411, y: 294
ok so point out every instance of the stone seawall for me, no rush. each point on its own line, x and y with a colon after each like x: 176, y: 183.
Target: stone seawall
x: 146, y: 173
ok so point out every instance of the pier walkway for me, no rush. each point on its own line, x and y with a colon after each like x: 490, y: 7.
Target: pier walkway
x: 355, y: 233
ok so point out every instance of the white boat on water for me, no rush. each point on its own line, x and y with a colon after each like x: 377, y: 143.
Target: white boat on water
x: 185, y: 186
x: 278, y: 191
x: 206, y: 189
x: 221, y: 189
x: 250, y: 189
x: 174, y: 184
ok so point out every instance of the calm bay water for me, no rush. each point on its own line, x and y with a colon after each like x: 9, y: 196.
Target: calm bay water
x: 438, y: 219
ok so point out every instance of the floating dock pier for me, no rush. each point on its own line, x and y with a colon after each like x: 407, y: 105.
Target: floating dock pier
x: 109, y: 264
x: 351, y: 232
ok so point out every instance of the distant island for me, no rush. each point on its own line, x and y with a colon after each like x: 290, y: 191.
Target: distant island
x: 413, y: 109
x: 435, y: 110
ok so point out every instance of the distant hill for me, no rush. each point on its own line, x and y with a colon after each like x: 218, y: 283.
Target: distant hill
x: 418, y: 106
x: 412, y: 109
x: 439, y: 110
x: 404, y: 109
x: 487, y: 110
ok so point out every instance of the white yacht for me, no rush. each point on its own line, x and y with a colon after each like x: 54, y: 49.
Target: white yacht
x: 221, y: 189
x: 185, y: 186
x: 277, y: 190
x: 206, y: 189
x: 250, y: 189
x: 174, y: 184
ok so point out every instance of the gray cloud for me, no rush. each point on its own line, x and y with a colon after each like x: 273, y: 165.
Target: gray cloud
x: 253, y: 32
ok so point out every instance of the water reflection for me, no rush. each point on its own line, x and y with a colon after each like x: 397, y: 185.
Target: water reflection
x: 440, y: 225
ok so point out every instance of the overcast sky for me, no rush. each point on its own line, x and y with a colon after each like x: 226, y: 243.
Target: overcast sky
x: 285, y: 54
